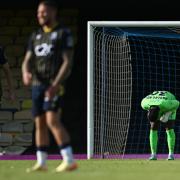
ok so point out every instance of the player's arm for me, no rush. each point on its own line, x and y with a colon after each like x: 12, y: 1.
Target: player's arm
x: 145, y: 104
x: 63, y: 73
x: 65, y: 69
x: 67, y: 56
x: 8, y: 76
x: 169, y: 105
x: 26, y: 74
x: 175, y: 104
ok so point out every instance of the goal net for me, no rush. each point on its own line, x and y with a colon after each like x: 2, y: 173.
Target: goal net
x: 128, y: 63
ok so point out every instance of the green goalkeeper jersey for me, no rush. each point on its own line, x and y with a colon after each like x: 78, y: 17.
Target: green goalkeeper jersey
x: 165, y: 100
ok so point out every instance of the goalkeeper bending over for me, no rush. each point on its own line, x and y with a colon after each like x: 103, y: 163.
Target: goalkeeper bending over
x: 161, y: 107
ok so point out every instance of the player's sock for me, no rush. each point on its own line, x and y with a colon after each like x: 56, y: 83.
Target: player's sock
x: 171, y: 140
x: 66, y: 152
x: 41, y: 154
x: 153, y: 141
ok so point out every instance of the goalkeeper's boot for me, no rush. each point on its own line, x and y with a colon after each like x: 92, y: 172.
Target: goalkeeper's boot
x: 65, y: 166
x: 153, y: 157
x: 37, y: 167
x: 170, y: 157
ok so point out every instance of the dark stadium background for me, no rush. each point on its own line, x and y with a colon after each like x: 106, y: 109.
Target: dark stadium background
x: 75, y: 100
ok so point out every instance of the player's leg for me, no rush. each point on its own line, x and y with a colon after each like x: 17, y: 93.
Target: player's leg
x: 62, y: 138
x: 42, y: 140
x: 59, y: 132
x: 171, y: 137
x: 41, y: 130
x: 153, y: 136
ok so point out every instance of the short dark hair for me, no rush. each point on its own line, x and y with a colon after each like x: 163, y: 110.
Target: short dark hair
x: 50, y: 3
x: 153, y: 113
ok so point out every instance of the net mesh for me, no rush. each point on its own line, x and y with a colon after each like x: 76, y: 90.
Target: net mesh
x: 128, y: 65
x: 112, y: 90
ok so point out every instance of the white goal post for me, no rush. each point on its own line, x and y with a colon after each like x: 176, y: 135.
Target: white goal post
x: 90, y: 64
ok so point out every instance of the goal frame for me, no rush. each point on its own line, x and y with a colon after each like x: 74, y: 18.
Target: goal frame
x: 90, y: 102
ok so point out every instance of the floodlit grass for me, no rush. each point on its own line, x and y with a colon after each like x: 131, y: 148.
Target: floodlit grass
x: 95, y: 169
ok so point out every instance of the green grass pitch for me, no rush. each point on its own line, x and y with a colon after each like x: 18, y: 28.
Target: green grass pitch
x: 95, y: 169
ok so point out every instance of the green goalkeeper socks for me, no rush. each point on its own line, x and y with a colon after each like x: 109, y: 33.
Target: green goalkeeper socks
x: 171, y: 140
x: 153, y: 141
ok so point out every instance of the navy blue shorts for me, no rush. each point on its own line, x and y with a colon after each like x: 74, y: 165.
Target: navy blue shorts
x: 40, y: 104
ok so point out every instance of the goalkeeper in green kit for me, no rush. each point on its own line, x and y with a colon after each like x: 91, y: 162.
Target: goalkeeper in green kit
x: 161, y: 107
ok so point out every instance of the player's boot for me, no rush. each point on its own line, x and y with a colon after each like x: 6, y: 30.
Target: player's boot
x: 153, y: 157
x: 64, y: 166
x: 37, y: 167
x: 170, y: 157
